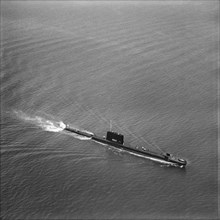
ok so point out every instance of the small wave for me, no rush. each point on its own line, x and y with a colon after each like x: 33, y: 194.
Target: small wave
x: 101, y: 143
x: 80, y: 137
x: 45, y: 124
x: 88, y: 132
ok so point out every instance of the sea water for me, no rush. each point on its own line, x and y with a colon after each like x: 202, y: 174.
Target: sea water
x: 149, y: 67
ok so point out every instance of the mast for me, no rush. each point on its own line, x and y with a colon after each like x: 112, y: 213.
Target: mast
x: 110, y: 125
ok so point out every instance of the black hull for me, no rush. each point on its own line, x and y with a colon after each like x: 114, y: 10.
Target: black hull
x: 146, y: 154
x: 83, y: 133
x: 141, y: 153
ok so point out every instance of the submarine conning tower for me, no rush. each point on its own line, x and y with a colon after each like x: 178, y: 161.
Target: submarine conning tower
x: 115, y: 137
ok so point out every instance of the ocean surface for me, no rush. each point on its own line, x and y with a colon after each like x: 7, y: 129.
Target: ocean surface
x: 149, y: 67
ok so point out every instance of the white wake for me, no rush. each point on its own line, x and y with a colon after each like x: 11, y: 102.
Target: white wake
x: 49, y: 125
x: 45, y: 124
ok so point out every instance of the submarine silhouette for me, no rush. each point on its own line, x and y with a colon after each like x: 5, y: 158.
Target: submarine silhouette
x: 117, y: 140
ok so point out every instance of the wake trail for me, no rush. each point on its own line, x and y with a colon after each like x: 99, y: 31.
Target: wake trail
x: 45, y: 124
x: 51, y: 125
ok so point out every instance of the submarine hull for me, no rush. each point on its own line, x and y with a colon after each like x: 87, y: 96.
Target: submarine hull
x: 145, y: 154
x: 137, y: 152
x: 79, y: 132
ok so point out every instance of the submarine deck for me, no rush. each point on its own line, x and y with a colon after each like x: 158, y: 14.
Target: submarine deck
x: 138, y: 152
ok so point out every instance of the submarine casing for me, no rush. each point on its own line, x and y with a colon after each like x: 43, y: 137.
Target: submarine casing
x: 163, y: 158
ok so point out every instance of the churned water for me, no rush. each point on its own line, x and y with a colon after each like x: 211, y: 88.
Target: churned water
x: 150, y: 67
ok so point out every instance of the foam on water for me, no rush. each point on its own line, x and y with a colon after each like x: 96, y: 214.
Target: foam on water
x: 49, y: 125
x: 45, y: 124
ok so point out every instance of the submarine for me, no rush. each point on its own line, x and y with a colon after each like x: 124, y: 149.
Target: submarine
x: 116, y: 140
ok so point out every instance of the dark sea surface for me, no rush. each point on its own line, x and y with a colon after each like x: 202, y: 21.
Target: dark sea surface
x: 149, y: 67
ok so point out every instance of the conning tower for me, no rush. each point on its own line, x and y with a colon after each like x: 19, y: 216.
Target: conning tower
x: 115, y: 137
